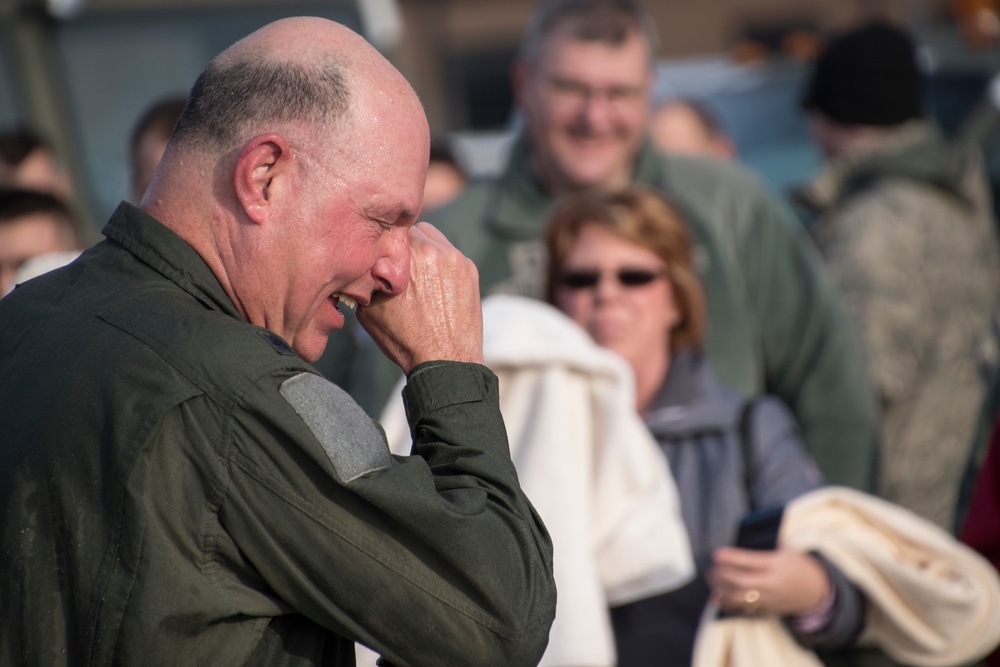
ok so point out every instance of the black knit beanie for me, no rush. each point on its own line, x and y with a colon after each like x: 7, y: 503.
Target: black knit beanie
x: 867, y: 76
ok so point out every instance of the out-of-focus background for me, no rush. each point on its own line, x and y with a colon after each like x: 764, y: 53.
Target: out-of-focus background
x: 80, y: 72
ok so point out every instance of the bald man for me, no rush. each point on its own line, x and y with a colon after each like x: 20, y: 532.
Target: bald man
x: 179, y: 486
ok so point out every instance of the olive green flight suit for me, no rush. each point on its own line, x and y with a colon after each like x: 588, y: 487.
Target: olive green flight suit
x: 178, y: 487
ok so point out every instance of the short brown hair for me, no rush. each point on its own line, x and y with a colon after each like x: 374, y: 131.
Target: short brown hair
x: 643, y: 216
x: 604, y: 21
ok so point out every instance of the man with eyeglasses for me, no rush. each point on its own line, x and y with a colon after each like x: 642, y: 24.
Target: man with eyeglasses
x: 583, y: 81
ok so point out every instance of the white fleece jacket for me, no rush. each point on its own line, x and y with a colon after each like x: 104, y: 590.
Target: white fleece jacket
x: 590, y: 468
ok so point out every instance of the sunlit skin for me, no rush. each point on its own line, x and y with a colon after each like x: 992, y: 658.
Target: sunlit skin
x: 311, y: 214
x: 343, y: 233
x: 635, y: 322
x: 586, y: 105
x: 148, y: 152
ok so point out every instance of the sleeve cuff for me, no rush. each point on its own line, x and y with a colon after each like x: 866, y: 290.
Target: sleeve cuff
x: 433, y: 385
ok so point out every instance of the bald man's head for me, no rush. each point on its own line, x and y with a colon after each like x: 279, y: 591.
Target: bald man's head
x: 293, y: 71
x: 295, y: 171
x: 230, y: 101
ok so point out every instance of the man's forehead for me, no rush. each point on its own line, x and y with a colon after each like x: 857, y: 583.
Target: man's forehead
x: 562, y: 50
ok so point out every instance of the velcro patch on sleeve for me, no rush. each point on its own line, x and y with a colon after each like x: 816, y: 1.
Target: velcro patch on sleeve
x: 351, y: 440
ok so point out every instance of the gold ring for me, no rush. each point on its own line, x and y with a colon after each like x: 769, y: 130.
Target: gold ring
x: 751, y: 599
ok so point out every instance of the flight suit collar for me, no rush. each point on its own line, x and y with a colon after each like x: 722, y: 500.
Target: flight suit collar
x: 162, y: 249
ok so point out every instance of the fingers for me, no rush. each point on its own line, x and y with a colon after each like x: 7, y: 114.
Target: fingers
x: 737, y: 573
x: 742, y: 558
x: 431, y: 232
x: 783, y: 582
x: 438, y: 316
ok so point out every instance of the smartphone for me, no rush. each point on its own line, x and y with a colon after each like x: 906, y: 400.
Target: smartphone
x: 759, y: 530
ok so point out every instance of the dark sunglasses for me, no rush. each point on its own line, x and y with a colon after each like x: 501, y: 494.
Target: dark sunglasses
x: 626, y: 278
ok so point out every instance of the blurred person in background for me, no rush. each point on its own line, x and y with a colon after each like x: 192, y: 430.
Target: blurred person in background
x: 686, y: 126
x: 29, y: 161
x: 621, y: 267
x: 37, y: 233
x: 149, y: 139
x: 906, y: 227
x: 445, y: 176
x: 583, y: 81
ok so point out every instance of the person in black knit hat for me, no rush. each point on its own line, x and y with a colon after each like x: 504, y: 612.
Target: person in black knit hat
x: 905, y: 225
x: 868, y: 77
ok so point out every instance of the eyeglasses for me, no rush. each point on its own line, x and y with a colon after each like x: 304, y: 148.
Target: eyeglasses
x: 578, y: 280
x: 577, y: 92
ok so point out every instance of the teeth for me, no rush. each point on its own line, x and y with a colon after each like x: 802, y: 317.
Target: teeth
x: 348, y: 301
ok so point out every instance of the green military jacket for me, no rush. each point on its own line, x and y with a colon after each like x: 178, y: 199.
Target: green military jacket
x: 178, y: 487
x: 776, y: 324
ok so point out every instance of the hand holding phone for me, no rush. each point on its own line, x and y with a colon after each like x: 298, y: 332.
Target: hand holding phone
x: 759, y: 530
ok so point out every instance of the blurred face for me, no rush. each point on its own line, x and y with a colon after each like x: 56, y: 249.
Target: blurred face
x: 443, y: 184
x: 676, y: 129
x: 40, y: 171
x: 27, y: 237
x: 344, y: 236
x: 586, y: 105
x: 630, y: 308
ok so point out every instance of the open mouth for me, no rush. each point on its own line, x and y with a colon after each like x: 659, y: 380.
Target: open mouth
x: 348, y: 301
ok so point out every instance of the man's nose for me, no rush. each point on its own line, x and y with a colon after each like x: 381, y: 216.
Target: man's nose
x: 597, y: 110
x: 392, y: 269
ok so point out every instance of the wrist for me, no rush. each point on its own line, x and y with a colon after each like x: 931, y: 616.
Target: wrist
x: 819, y: 616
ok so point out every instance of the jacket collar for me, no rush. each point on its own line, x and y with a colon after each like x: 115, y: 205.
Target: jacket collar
x: 692, y: 399
x: 167, y: 253
x: 916, y: 150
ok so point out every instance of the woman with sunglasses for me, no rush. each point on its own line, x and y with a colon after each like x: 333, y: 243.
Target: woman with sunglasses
x: 621, y: 266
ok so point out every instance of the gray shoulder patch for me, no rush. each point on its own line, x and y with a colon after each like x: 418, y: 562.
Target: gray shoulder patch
x: 352, y: 441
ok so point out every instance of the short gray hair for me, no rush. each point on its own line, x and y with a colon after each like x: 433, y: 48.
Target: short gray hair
x: 606, y: 21
x: 230, y: 99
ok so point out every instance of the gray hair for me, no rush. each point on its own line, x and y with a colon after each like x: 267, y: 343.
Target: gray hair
x: 606, y: 21
x: 230, y: 100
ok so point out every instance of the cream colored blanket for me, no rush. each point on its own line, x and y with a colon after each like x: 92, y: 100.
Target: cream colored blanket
x: 590, y: 468
x: 931, y: 600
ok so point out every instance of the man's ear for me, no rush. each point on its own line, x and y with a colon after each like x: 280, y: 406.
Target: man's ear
x: 261, y: 172
x: 519, y: 80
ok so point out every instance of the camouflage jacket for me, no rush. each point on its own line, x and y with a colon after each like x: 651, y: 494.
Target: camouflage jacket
x: 907, y: 232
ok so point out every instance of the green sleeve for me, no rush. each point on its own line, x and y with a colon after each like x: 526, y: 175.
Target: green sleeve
x: 431, y: 559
